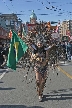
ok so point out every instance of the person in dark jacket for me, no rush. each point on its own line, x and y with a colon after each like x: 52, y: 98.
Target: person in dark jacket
x: 5, y: 51
x: 71, y: 48
x: 1, y: 54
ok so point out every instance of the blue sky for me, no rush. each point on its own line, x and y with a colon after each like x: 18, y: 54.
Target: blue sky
x: 39, y: 6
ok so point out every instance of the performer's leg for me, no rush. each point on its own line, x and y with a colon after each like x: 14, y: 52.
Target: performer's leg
x: 38, y: 82
x: 37, y: 79
x: 43, y: 81
x: 40, y: 89
x: 37, y: 76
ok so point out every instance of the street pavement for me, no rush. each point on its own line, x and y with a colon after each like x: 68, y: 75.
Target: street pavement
x: 18, y: 89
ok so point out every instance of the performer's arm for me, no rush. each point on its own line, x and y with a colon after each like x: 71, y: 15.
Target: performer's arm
x: 47, y: 48
x: 33, y: 46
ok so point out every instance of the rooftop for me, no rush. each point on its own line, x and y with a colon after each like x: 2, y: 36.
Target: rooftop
x: 8, y: 15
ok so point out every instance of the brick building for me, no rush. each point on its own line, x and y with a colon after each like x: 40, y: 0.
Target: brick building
x: 3, y: 34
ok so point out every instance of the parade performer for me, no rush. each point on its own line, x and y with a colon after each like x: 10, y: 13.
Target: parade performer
x: 40, y: 66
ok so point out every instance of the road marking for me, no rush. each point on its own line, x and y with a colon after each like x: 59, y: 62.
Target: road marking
x: 68, y: 75
x: 2, y: 75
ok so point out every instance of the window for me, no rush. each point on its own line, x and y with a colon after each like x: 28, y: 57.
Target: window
x: 12, y: 22
x: 16, y: 26
x: 67, y: 22
x: 7, y: 22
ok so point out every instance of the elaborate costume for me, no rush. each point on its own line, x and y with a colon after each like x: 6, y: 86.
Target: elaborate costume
x: 40, y: 49
x: 40, y: 61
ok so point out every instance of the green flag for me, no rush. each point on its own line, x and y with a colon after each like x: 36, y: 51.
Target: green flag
x: 16, y: 51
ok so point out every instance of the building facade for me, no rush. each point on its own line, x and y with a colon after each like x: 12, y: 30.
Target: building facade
x: 70, y: 27
x: 66, y: 28
x: 10, y: 21
x: 3, y: 33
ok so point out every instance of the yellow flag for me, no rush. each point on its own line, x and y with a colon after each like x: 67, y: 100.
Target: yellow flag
x: 16, y: 44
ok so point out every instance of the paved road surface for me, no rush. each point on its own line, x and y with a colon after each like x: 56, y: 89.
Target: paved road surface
x: 17, y: 92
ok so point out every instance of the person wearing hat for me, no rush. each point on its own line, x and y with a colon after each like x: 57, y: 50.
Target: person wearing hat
x: 40, y: 67
x: 1, y: 55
